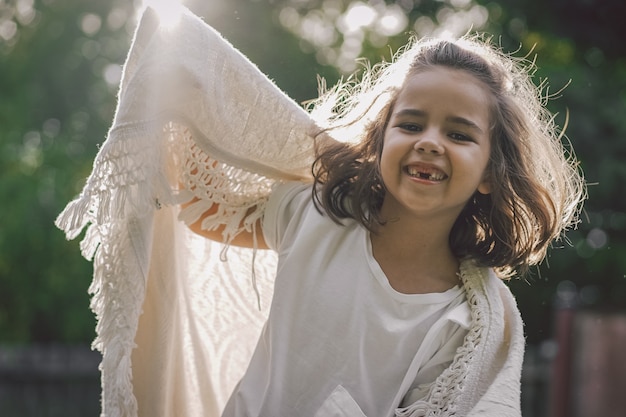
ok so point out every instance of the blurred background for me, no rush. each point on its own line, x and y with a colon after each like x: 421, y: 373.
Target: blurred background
x: 60, y: 65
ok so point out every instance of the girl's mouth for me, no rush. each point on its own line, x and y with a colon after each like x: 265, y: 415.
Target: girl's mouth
x: 430, y: 174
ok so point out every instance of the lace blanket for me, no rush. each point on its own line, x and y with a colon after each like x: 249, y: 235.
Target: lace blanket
x: 197, y: 122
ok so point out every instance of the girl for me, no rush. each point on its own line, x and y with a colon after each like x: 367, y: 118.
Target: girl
x: 431, y: 179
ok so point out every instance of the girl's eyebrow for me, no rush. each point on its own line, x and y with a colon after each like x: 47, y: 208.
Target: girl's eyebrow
x: 465, y: 122
x: 452, y: 119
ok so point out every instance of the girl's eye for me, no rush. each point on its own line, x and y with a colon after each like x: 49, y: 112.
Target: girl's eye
x: 460, y: 137
x: 410, y: 127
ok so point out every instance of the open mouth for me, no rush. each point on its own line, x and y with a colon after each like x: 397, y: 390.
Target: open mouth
x: 430, y: 174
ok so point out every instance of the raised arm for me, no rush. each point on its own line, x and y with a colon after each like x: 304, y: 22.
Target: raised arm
x: 244, y: 239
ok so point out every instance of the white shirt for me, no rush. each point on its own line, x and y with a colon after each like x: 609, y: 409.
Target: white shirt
x: 340, y: 341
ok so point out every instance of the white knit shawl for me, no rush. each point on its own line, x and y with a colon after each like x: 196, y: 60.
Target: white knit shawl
x: 176, y: 324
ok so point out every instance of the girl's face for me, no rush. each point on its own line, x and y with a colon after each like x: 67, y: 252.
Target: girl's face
x: 436, y: 145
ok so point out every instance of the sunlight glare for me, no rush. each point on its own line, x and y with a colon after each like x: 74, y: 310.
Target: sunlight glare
x: 392, y: 22
x: 169, y: 11
x: 359, y: 15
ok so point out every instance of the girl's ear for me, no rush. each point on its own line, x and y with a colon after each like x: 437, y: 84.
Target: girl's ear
x: 485, y: 186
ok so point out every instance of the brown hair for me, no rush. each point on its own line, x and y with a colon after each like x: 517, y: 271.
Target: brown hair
x: 536, y: 185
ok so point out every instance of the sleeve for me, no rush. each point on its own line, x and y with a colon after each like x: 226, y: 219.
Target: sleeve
x: 286, y: 205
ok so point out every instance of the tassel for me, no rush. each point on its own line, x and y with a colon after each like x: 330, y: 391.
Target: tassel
x: 418, y: 409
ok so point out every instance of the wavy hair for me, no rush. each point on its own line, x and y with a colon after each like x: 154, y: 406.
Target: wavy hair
x: 537, y: 187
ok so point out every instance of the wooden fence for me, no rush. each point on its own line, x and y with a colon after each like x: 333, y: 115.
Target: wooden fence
x: 49, y: 382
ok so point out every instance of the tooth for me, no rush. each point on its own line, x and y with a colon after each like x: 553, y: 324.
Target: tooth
x: 415, y: 172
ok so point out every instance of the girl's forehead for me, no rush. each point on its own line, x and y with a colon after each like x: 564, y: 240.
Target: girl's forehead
x: 443, y: 76
x: 446, y: 89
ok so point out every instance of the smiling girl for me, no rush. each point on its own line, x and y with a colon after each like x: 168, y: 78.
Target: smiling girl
x: 431, y: 180
x: 386, y: 301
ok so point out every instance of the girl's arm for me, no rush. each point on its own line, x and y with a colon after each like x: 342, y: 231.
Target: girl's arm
x: 244, y: 239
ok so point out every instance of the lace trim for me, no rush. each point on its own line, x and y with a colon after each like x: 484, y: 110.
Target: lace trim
x: 116, y: 286
x: 126, y: 179
x: 240, y: 195
x: 132, y: 175
x: 448, y: 388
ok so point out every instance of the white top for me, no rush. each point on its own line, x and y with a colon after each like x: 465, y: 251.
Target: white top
x: 337, y: 331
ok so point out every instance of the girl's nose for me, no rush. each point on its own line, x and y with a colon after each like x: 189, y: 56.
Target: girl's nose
x: 429, y: 143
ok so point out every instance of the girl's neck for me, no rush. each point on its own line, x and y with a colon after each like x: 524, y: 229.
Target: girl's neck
x: 416, y: 258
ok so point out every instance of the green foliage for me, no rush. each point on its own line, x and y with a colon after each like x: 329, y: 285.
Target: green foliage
x: 55, y: 107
